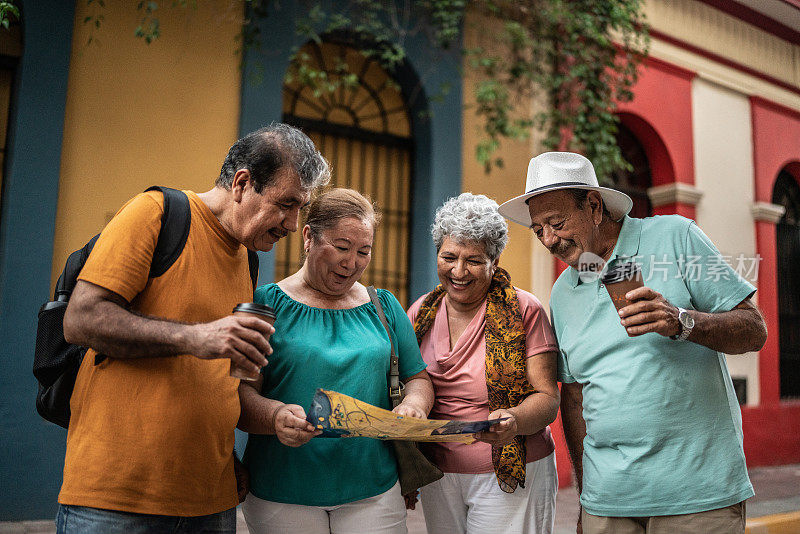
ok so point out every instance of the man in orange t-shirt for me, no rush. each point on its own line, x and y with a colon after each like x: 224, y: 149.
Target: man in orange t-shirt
x: 151, y: 434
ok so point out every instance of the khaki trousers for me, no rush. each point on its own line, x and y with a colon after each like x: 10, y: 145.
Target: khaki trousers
x: 729, y: 520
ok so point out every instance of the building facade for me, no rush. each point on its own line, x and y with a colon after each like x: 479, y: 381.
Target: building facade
x: 94, y: 116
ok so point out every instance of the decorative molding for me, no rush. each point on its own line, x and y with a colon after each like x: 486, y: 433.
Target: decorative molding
x: 677, y: 192
x: 757, y: 19
x: 717, y: 58
x: 724, y: 75
x: 764, y: 211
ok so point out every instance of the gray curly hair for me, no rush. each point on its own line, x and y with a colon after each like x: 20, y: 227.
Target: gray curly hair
x: 471, y: 218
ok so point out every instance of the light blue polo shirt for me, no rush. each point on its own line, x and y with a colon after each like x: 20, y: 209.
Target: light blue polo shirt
x: 663, y: 427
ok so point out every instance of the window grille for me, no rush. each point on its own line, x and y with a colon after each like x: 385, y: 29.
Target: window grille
x: 787, y: 232
x: 364, y: 131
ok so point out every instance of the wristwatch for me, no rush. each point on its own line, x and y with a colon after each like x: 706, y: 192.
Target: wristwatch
x: 687, y: 323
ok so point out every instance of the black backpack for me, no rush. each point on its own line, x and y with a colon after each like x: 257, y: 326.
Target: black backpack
x: 56, y: 362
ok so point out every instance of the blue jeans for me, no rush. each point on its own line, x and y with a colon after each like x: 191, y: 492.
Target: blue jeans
x: 83, y: 520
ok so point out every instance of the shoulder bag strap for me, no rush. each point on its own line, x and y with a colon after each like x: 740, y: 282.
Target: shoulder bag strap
x: 395, y: 387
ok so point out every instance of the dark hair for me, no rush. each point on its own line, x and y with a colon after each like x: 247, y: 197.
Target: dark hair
x: 329, y: 208
x: 581, y: 195
x: 269, y: 149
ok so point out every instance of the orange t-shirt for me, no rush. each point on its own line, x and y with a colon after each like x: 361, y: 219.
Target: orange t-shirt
x: 156, y: 435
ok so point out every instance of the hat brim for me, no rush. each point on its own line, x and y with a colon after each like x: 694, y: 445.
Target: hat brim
x: 617, y: 203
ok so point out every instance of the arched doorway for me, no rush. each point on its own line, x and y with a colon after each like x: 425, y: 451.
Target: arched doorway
x: 637, y: 181
x: 786, y: 193
x: 363, y: 128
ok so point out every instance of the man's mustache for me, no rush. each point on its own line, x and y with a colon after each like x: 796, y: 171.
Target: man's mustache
x: 560, y: 248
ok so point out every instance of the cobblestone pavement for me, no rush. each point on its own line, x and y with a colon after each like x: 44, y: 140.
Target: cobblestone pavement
x: 777, y: 492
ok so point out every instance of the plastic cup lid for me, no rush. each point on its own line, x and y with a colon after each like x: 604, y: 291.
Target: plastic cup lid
x: 253, y: 307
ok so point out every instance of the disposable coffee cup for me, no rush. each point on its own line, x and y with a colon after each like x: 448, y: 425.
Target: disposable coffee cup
x: 259, y: 311
x: 620, y: 279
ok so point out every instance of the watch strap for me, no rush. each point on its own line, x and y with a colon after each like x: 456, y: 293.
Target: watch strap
x: 683, y: 335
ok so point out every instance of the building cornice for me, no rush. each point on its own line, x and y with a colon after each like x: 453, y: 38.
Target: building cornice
x: 766, y: 212
x: 730, y: 63
x: 677, y: 192
x: 759, y: 20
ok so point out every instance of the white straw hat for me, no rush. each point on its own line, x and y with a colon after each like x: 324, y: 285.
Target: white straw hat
x: 562, y: 170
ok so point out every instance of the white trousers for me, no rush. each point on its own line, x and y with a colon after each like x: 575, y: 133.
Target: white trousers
x: 381, y: 514
x: 475, y: 504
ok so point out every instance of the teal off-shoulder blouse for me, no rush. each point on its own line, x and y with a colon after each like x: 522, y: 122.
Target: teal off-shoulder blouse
x: 341, y: 350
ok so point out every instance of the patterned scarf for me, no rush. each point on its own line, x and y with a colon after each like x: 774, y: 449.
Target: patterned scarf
x: 505, y: 366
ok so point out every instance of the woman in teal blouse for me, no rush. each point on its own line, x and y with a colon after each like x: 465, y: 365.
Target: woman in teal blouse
x: 328, y: 335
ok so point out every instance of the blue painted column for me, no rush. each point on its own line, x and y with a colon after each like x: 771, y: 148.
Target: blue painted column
x: 437, y: 136
x: 262, y: 83
x: 31, y: 451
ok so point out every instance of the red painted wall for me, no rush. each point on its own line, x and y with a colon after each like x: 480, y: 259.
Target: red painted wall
x: 772, y: 429
x: 661, y: 118
x: 660, y: 115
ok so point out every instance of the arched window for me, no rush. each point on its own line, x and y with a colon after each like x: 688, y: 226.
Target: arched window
x: 787, y: 194
x: 10, y: 52
x: 364, y: 130
x: 636, y: 182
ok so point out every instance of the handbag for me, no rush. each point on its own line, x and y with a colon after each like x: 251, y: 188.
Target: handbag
x: 413, y: 468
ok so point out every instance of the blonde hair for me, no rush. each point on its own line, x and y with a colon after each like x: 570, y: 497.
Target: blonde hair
x: 326, y: 210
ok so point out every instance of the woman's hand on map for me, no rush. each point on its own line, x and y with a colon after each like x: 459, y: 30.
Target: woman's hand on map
x: 502, y: 432
x: 291, y: 427
x: 409, y: 409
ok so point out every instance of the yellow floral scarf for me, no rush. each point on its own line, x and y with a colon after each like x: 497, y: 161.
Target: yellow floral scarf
x: 505, y: 365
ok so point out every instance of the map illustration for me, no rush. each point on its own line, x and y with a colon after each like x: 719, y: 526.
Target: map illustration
x: 340, y: 416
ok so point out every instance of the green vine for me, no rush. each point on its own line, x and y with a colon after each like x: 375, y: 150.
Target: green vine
x: 8, y: 13
x: 577, y: 58
x: 580, y: 56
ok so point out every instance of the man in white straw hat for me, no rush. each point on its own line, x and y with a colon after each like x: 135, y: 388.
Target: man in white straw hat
x: 647, y: 403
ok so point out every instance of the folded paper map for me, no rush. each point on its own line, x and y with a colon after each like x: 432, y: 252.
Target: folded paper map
x: 340, y: 416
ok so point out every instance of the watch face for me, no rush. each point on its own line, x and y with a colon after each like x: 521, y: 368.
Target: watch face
x: 686, y: 320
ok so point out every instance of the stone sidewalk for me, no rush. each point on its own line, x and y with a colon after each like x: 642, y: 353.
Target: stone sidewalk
x: 775, y: 508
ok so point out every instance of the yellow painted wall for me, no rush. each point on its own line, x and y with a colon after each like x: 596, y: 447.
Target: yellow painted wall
x: 524, y: 258
x: 140, y: 115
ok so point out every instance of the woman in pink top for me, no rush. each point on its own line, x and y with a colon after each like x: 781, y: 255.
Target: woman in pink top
x: 491, y: 353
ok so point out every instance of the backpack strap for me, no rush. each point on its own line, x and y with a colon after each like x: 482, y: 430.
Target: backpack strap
x: 252, y: 260
x: 72, y: 268
x: 175, y: 224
